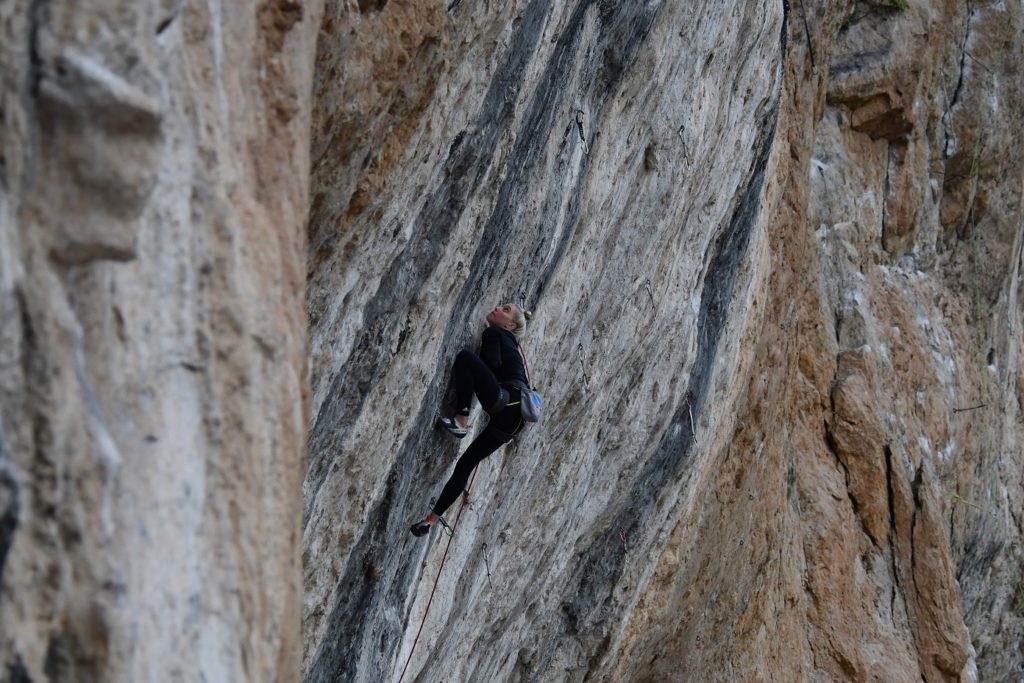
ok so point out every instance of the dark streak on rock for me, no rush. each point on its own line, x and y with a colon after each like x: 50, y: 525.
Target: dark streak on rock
x: 466, y: 165
x: 893, y: 534
x: 10, y: 503
x: 505, y: 226
x: 588, y: 595
x: 58, y: 662
x: 357, y: 638
x: 859, y: 61
x: 355, y: 619
x: 955, y: 99
x: 785, y: 28
x: 915, y: 488
x: 38, y: 15
x: 164, y: 24
x: 16, y: 672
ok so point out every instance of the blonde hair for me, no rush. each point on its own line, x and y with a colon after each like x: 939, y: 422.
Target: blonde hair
x: 519, y: 317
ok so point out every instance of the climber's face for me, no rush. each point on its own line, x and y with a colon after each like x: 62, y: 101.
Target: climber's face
x: 501, y: 316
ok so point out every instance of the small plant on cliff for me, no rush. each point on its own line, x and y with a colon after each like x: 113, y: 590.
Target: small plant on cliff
x: 901, y: 4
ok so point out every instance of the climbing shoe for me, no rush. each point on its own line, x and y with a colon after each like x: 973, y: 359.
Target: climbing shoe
x: 453, y: 428
x: 420, y: 528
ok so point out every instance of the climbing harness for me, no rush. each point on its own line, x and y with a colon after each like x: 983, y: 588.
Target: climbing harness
x: 650, y: 290
x: 583, y: 367
x: 506, y: 437
x: 579, y: 127
x: 426, y: 611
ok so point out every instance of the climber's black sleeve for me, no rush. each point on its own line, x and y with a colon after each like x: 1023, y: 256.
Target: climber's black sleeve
x: 490, y: 349
x: 500, y: 352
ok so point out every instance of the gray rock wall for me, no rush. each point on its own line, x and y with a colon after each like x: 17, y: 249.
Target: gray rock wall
x: 512, y: 206
x: 753, y: 220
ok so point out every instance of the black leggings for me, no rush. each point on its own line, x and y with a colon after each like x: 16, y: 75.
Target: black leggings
x: 473, y: 376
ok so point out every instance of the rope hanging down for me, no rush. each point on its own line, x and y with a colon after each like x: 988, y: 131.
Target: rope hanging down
x: 465, y: 499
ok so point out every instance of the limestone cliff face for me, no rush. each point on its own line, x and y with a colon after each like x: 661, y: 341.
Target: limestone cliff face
x: 804, y: 216
x: 774, y: 250
x: 153, y: 195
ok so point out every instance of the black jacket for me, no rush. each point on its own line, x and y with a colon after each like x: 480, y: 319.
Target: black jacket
x: 500, y: 351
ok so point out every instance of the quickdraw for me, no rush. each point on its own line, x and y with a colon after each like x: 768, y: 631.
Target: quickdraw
x: 583, y: 367
x: 690, y: 400
x: 579, y: 127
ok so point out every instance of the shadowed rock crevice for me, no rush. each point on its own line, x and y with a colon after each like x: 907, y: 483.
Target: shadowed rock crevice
x: 10, y: 503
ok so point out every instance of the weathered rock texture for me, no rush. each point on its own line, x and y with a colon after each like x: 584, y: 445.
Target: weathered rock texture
x: 774, y: 249
x: 804, y: 215
x: 153, y: 196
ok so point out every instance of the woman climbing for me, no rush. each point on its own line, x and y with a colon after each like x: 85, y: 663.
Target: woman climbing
x: 493, y: 376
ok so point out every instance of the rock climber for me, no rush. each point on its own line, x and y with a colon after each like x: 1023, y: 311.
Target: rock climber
x: 492, y: 376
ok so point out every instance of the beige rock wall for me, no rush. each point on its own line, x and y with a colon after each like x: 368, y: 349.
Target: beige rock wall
x: 153, y: 192
x: 891, y: 547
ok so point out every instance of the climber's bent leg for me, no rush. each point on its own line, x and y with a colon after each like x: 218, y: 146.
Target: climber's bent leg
x: 472, y: 375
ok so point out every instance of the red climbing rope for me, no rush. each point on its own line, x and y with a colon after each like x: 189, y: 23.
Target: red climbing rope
x: 465, y: 497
